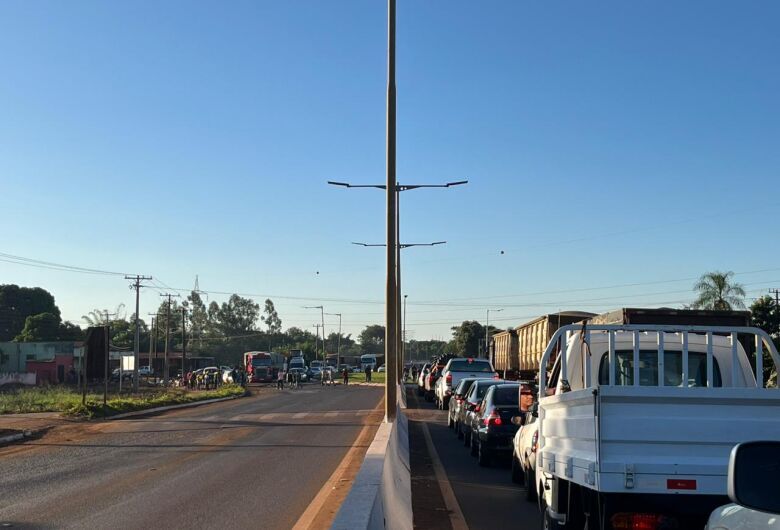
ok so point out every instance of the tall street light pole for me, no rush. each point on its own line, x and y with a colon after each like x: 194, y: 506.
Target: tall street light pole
x: 487, y: 331
x: 391, y: 188
x: 403, y: 343
x: 338, y: 343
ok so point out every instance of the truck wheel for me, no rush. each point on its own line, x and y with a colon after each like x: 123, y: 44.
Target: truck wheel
x: 483, y: 455
x: 518, y: 477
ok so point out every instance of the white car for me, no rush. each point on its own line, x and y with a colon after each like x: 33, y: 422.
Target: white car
x: 524, y: 456
x: 381, y: 369
x: 457, y: 369
x: 145, y: 371
x: 754, y: 488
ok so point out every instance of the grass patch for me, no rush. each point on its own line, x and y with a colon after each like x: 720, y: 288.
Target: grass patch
x: 376, y: 377
x: 68, y: 400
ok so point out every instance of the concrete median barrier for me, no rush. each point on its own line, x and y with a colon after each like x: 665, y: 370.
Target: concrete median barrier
x: 381, y: 495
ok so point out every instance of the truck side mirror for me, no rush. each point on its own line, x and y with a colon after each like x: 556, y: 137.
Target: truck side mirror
x: 753, y: 472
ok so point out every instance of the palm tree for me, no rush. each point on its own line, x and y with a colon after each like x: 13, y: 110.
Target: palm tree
x: 717, y: 291
x: 97, y: 317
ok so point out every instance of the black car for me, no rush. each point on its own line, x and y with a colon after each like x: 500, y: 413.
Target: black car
x: 468, y: 408
x: 457, y: 401
x: 492, y: 427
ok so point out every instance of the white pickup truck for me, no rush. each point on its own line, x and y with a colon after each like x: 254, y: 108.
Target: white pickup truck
x: 620, y: 447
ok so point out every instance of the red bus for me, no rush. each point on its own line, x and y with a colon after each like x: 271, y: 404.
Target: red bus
x: 262, y: 367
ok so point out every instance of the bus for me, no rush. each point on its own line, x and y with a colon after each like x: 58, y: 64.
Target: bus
x: 368, y: 359
x: 262, y: 367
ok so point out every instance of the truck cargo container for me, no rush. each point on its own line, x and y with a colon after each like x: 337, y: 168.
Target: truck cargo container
x: 505, y: 353
x: 533, y: 337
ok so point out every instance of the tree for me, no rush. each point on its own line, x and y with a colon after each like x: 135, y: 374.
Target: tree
x: 717, y: 291
x: 236, y: 316
x: 18, y: 303
x: 69, y: 331
x: 40, y: 327
x: 271, y: 318
x: 467, y: 337
x: 198, y: 316
x: 101, y: 317
x: 765, y: 314
x: 372, y: 339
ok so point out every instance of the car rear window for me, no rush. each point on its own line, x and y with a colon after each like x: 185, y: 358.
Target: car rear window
x: 483, y: 387
x: 470, y: 365
x: 506, y: 395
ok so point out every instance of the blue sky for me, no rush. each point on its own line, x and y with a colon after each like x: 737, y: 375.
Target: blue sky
x: 605, y: 144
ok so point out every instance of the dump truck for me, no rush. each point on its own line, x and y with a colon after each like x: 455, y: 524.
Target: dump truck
x: 533, y: 337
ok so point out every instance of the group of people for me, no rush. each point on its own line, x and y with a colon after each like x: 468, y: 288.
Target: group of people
x: 292, y: 378
x: 212, y: 379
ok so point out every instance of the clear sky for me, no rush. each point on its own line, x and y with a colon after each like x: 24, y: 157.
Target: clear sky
x: 605, y: 143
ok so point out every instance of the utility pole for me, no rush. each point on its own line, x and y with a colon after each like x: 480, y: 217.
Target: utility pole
x: 338, y: 344
x: 137, y: 279
x: 322, y: 319
x: 183, y: 341
x: 153, y: 338
x: 487, y: 332
x: 167, y: 336
x: 776, y: 292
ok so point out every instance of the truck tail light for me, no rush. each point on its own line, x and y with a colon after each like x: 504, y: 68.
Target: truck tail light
x: 643, y: 521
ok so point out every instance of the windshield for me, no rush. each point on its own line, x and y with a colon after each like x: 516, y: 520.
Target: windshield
x: 648, y: 369
x: 470, y: 365
x: 260, y: 361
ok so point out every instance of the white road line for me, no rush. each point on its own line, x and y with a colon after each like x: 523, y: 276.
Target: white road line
x: 331, y: 414
x: 300, y: 415
x: 457, y: 520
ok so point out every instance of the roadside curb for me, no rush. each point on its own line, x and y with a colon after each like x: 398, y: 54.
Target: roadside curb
x: 28, y: 434
x: 11, y: 438
x: 169, y: 407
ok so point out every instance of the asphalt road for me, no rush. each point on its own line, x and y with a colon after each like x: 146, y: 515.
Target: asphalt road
x: 255, y: 462
x: 486, y: 497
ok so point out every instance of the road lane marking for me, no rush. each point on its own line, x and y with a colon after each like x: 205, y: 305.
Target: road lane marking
x: 300, y: 415
x: 307, y: 520
x: 457, y: 520
x: 331, y: 414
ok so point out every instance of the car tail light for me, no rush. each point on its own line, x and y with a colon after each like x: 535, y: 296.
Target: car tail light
x: 496, y: 376
x: 476, y: 408
x: 534, y: 441
x: 493, y: 419
x: 643, y: 521
x: 449, y: 379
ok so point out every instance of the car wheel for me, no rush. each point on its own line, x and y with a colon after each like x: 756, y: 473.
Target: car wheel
x: 518, y: 477
x: 529, y: 479
x: 473, y: 445
x: 483, y: 455
x: 449, y: 421
x: 466, y: 439
x: 459, y: 429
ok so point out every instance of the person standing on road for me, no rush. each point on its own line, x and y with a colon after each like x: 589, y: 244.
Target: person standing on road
x: 280, y: 380
x: 368, y: 373
x: 345, y: 374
